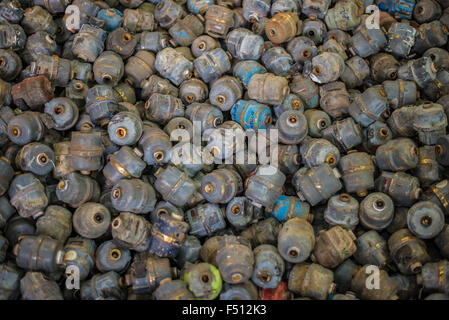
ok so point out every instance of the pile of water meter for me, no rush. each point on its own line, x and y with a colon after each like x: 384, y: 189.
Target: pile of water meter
x: 332, y: 185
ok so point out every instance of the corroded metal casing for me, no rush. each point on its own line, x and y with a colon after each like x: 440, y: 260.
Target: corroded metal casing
x: 289, y: 158
x: 167, y: 13
x: 39, y: 253
x: 205, y: 219
x: 311, y: 280
x: 401, y: 121
x: 296, y: 240
x: 369, y: 106
x: 219, y: 20
x: 425, y: 219
x: 422, y: 70
x: 357, y: 170
x: 367, y: 42
x: 401, y: 38
x: 121, y: 42
x: 88, y: 43
x: 345, y: 15
x: 175, y: 186
x: 428, y: 170
x: 333, y: 246
x: 28, y: 195
x: 110, y: 257
x: 345, y: 134
x: 153, y: 41
x: 6, y: 211
x: 102, y: 286
x: 434, y: 276
x: 14, y: 37
x: 402, y: 187
x: 225, y: 92
x: 173, y: 290
x: 251, y: 114
x: 38, y: 19
x: 32, y: 92
x: 286, y: 208
x: 334, y: 99
x: 437, y: 193
x: 400, y: 93
x: 139, y: 67
x: 86, y: 151
x: 146, y: 273
x: 388, y: 287
x: 432, y: 34
x: 138, y: 20
x: 430, y: 121
x: 173, y: 66
x: 133, y: 195
x: 212, y: 64
x: 18, y: 227
x: 302, y: 49
x: 124, y: 164
x: 35, y: 157
x: 376, y: 134
x: 186, y: 30
x: 376, y: 211
x: 125, y: 128
x: 317, y: 121
x: 383, y: 67
x: 194, y: 90
x: 10, y: 65
x: 242, y: 291
x: 75, y: 189
x: 221, y: 185
x: 244, y: 70
x: 408, y: 253
x: 306, y: 89
x: 168, y: 235
x: 26, y: 127
x: 36, y: 286
x: 283, y: 27
x: 268, y: 88
x: 112, y: 18
x: 131, y: 231
x: 263, y: 232
x: 372, y: 249
x: 156, y: 145
x: 317, y: 183
x: 108, y: 68
x: 56, y: 223
x: 244, y: 44
x: 160, y: 108
x: 355, y: 71
x: 101, y: 104
x: 91, y: 220
x: 235, y: 260
x: 314, y: 29
x: 442, y: 241
x: 6, y: 174
x: 292, y: 127
x: 443, y: 150
x: 268, y: 267
x: 397, y: 155
x: 63, y: 111
x: 240, y: 212
x: 265, y: 186
x: 203, y: 280
x: 342, y: 210
x: 327, y: 67
x: 199, y: 6
x: 9, y: 289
